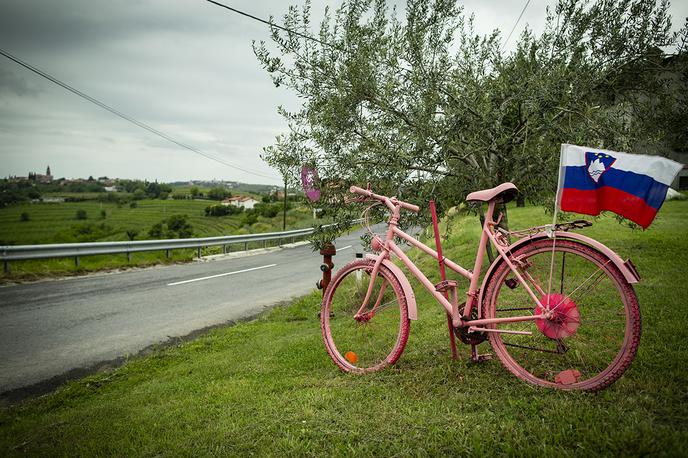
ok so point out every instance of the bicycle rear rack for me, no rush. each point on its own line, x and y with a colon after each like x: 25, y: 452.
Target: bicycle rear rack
x: 562, y: 227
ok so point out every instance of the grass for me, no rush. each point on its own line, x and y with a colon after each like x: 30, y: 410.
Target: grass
x: 267, y: 387
x: 57, y: 223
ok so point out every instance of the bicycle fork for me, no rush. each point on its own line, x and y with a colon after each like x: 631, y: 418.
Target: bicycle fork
x: 365, y: 316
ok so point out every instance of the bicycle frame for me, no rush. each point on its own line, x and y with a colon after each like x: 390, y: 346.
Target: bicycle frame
x: 458, y: 320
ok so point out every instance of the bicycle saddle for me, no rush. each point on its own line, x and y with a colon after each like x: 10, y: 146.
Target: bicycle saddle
x: 507, y: 192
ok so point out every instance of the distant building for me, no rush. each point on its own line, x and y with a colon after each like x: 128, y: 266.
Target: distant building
x: 245, y: 202
x: 38, y: 178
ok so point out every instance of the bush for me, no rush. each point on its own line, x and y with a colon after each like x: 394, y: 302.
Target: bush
x: 81, y: 214
x: 249, y: 218
x: 24, y: 216
x: 222, y: 210
x: 132, y: 233
x: 176, y: 226
x: 179, y: 196
x: 218, y: 193
x: 268, y: 210
x: 103, y: 214
x: 180, y: 225
x: 133, y: 205
x: 156, y: 230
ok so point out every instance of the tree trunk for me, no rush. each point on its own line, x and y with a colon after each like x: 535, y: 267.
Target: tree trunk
x: 520, y: 200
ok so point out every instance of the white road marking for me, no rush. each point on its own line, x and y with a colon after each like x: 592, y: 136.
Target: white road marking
x: 345, y: 247
x: 220, y: 275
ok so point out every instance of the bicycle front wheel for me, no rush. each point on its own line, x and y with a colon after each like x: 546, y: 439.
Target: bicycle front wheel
x: 593, y: 330
x: 364, y: 340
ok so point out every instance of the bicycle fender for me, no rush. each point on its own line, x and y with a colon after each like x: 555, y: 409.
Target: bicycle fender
x: 626, y: 267
x: 405, y: 286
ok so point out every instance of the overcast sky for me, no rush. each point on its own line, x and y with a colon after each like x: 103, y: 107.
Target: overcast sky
x: 184, y: 67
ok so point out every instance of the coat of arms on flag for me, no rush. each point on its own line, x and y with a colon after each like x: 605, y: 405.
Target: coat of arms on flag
x: 631, y: 185
x: 597, y: 164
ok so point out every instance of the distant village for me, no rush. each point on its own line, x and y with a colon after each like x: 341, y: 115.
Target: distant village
x: 236, y: 195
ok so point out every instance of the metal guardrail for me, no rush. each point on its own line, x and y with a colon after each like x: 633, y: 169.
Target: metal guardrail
x: 75, y: 250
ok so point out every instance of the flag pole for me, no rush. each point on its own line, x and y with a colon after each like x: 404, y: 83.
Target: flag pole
x: 551, y: 232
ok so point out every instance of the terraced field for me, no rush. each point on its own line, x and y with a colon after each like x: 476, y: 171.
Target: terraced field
x: 58, y: 223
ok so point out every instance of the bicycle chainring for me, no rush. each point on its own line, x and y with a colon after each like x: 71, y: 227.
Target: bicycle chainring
x: 470, y: 338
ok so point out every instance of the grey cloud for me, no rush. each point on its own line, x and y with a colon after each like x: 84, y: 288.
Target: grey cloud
x: 185, y: 68
x: 11, y: 82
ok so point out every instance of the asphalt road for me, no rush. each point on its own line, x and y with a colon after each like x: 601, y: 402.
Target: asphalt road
x: 50, y: 328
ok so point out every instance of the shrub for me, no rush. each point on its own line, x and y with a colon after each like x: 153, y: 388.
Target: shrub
x: 180, y: 225
x: 132, y: 233
x: 103, y: 214
x: 156, y: 230
x: 222, y: 210
x: 81, y: 214
x: 176, y: 226
x: 249, y: 218
x: 133, y: 205
x: 268, y: 210
x: 218, y: 193
x: 24, y: 216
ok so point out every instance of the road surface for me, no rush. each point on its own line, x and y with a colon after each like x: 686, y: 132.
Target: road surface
x: 50, y: 328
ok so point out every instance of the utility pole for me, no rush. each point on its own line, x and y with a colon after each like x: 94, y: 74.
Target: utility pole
x: 284, y: 213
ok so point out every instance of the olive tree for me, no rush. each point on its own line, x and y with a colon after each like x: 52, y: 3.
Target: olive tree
x: 425, y: 107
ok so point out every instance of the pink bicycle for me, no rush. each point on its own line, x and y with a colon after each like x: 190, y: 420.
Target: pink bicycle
x: 558, y: 307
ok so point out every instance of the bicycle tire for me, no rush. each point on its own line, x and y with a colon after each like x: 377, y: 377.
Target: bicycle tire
x: 364, y: 345
x: 589, y: 342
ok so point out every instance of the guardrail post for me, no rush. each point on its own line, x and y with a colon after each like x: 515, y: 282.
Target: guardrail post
x: 224, y: 249
x: 167, y: 254
x: 7, y: 266
x: 245, y: 246
x: 128, y: 256
x: 199, y: 252
x: 265, y: 243
x: 76, y: 261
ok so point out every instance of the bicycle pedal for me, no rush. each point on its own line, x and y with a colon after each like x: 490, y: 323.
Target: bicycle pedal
x: 511, y: 283
x: 446, y: 285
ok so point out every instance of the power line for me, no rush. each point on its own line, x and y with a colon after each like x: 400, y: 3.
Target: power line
x: 126, y: 117
x: 517, y: 21
x: 271, y: 24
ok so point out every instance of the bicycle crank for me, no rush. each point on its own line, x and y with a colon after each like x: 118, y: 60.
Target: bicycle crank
x: 465, y: 333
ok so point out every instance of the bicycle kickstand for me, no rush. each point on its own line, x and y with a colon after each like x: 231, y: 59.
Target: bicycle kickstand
x: 478, y: 358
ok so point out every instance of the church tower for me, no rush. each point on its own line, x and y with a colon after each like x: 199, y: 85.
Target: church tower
x: 47, y: 172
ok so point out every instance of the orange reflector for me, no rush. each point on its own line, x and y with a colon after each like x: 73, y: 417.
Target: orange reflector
x: 351, y: 357
x: 567, y: 377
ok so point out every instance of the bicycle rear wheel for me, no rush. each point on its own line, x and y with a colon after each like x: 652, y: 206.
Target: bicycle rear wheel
x: 371, y: 340
x: 594, y: 331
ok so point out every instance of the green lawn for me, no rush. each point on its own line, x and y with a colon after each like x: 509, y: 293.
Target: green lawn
x: 267, y: 387
x: 57, y: 223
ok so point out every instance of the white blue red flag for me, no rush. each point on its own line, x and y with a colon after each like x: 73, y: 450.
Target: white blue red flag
x: 631, y: 185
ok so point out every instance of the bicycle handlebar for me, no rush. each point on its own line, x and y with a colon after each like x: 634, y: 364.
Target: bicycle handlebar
x: 389, y: 201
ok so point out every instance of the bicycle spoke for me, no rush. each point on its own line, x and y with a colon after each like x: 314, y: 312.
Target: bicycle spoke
x: 543, y: 350
x: 586, y: 333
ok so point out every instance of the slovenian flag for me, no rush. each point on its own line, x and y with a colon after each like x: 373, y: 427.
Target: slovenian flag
x: 631, y: 185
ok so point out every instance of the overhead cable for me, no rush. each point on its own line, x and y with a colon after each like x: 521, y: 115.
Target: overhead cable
x: 271, y: 24
x: 517, y: 21
x: 127, y: 117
